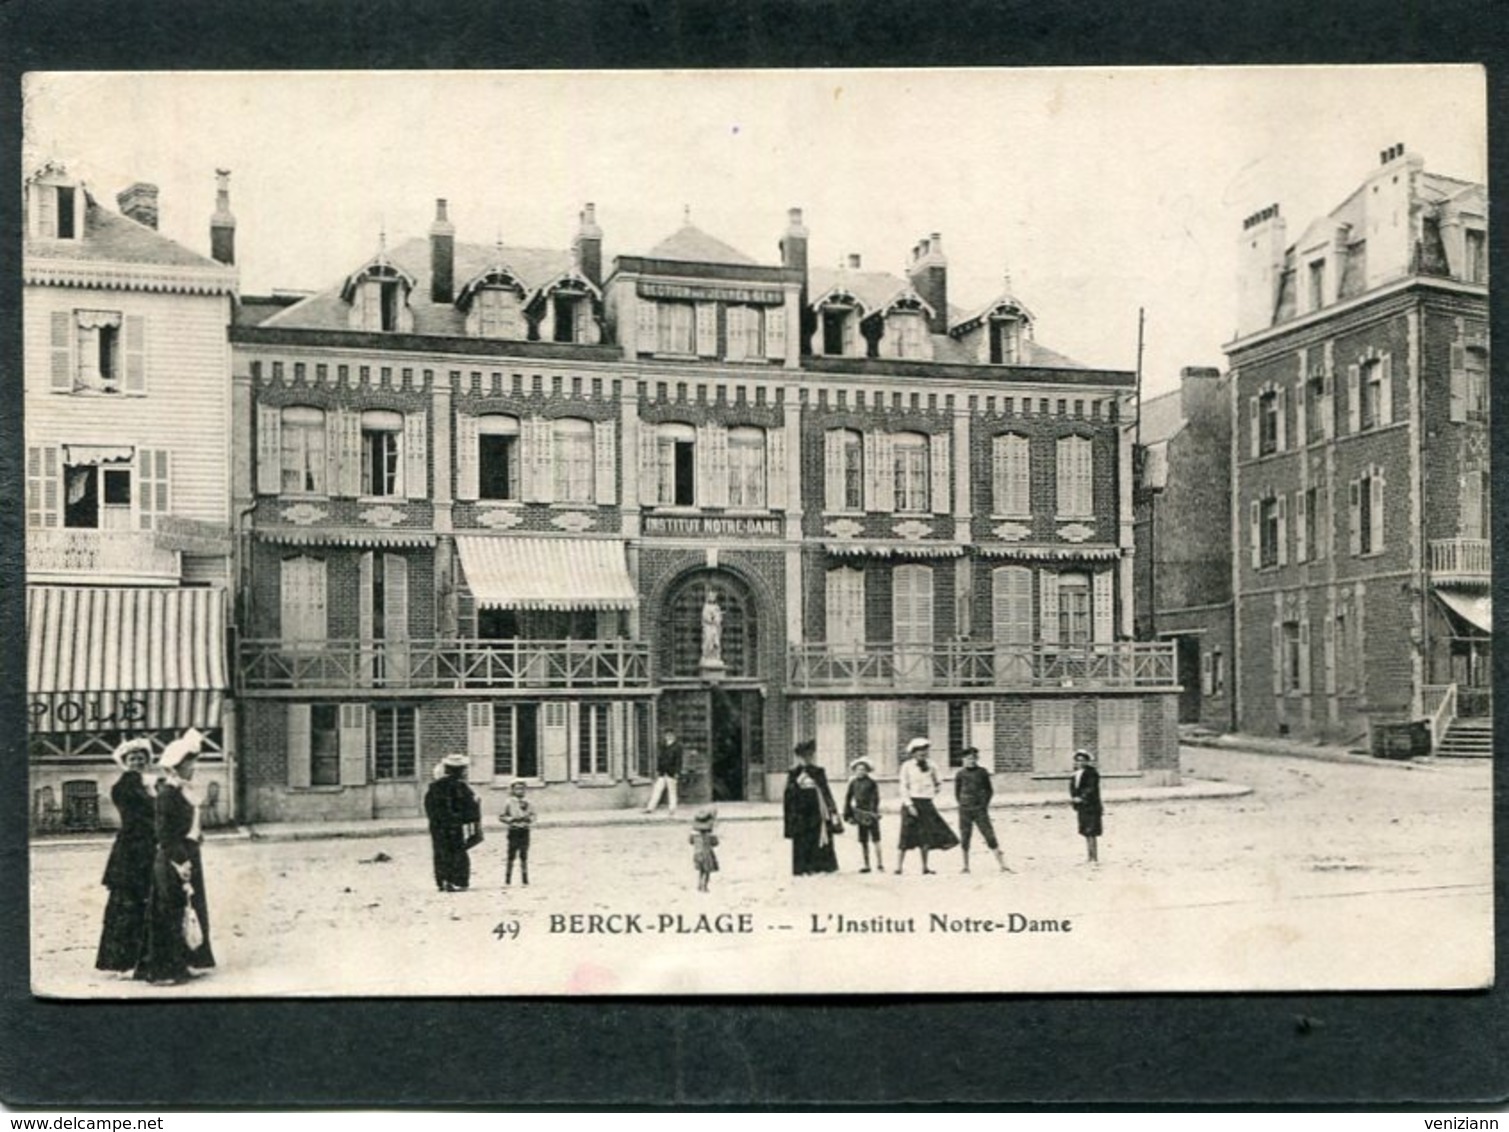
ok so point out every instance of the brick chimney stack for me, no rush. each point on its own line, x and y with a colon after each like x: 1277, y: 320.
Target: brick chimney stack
x: 588, y: 245
x: 139, y: 202
x: 442, y: 257
x: 1260, y: 266
x: 222, y: 223
x: 794, y: 258
x: 928, y: 275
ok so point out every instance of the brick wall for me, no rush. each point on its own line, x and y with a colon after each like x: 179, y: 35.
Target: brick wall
x: 1043, y: 433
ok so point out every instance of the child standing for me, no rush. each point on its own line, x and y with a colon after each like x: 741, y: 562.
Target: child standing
x: 518, y: 815
x: 862, y: 810
x: 705, y: 841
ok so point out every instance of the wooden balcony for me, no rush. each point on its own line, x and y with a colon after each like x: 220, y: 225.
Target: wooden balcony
x: 73, y: 554
x: 1461, y: 561
x: 441, y: 666
x: 972, y: 667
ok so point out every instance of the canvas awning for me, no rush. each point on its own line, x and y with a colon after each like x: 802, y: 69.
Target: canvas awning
x: 546, y: 573
x: 117, y: 659
x: 1475, y: 609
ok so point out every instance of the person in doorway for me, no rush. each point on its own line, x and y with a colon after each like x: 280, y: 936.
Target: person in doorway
x: 811, y: 818
x: 922, y: 826
x: 705, y: 844
x: 973, y: 791
x: 455, y: 817
x: 177, y: 940
x: 518, y: 815
x: 862, y: 810
x: 667, y: 772
x: 1084, y: 796
x: 128, y: 873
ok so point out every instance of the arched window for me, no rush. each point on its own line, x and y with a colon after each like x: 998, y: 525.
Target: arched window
x: 1010, y: 475
x: 746, y: 467
x: 676, y: 460
x: 843, y: 466
x: 573, y: 460
x: 303, y: 441
x: 382, y: 453
x: 497, y: 457
x: 910, y: 464
x: 1073, y: 609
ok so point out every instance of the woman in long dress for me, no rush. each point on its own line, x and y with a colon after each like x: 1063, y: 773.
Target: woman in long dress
x: 173, y: 947
x: 128, y: 873
x: 453, y: 812
x: 811, y: 818
x: 922, y: 826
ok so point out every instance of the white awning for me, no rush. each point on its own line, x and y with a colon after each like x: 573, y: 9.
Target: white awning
x: 1475, y: 609
x: 507, y: 572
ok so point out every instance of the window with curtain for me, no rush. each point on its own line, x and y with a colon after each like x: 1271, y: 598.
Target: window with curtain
x: 676, y: 327
x: 1074, y: 609
x: 746, y: 467
x: 382, y: 453
x: 676, y: 451
x: 909, y: 461
x: 574, y: 467
x: 497, y: 457
x: 303, y: 439
x: 843, y: 470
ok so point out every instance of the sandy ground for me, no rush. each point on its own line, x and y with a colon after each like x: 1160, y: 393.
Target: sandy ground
x: 1327, y: 876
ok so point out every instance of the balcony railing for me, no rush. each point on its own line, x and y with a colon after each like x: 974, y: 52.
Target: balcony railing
x: 1461, y: 560
x: 72, y: 553
x: 274, y: 665
x: 902, y: 667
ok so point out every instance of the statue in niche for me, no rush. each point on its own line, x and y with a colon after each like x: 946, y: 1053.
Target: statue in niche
x: 712, y: 630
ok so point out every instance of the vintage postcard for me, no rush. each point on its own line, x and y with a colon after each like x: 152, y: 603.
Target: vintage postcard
x: 779, y: 532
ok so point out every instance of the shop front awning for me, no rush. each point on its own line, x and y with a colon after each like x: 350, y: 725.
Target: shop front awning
x: 546, y: 573
x: 1475, y: 609
x: 117, y: 659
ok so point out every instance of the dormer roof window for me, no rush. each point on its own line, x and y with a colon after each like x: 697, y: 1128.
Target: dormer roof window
x: 565, y: 309
x: 55, y: 205
x: 839, y: 314
x: 493, y: 302
x: 900, y: 328
x: 379, y: 296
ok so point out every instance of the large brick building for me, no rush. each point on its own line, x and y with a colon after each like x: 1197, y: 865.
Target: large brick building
x: 1360, y: 458
x: 506, y: 501
x: 128, y: 554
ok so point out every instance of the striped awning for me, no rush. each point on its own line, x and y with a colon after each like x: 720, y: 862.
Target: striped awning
x: 1081, y: 552
x: 863, y: 548
x: 105, y: 658
x: 546, y: 573
x: 341, y: 536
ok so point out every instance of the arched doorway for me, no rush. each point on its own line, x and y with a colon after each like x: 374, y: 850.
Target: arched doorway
x: 710, y: 667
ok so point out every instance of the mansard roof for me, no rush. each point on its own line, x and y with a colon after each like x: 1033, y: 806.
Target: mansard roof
x: 692, y: 245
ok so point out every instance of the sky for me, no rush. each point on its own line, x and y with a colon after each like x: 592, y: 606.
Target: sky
x: 1100, y: 191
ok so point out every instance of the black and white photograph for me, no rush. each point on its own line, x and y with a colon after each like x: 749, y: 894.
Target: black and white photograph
x: 771, y: 532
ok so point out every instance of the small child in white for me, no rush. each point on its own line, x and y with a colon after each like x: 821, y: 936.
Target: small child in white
x: 518, y: 815
x: 705, y: 842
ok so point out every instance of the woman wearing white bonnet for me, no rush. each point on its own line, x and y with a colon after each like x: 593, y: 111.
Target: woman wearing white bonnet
x: 177, y: 941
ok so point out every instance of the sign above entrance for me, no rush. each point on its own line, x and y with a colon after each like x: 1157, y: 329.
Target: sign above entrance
x: 766, y: 296
x: 698, y: 526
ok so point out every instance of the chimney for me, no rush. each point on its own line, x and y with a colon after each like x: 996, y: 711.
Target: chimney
x: 1260, y: 265
x: 853, y: 261
x: 588, y: 245
x: 1197, y: 385
x: 222, y: 223
x: 442, y: 257
x: 794, y: 258
x: 928, y: 275
x: 139, y: 202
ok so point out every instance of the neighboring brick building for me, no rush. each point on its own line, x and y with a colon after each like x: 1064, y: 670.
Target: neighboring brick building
x: 128, y: 552
x: 1360, y: 459
x: 1183, y: 560
x: 902, y: 518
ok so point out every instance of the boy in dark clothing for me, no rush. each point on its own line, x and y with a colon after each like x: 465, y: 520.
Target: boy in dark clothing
x: 973, y: 790
x: 862, y: 810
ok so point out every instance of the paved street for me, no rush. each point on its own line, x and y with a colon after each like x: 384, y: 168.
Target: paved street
x: 1326, y: 875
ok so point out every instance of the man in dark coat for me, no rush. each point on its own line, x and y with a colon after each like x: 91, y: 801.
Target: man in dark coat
x: 811, y: 818
x: 667, y: 772
x: 453, y: 812
x: 973, y: 791
x: 1084, y: 796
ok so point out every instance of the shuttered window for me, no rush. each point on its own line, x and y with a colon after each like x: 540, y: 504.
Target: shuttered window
x: 676, y: 464
x: 1010, y: 476
x: 845, y: 607
x: 843, y: 470
x: 395, y: 742
x: 302, y: 601
x: 912, y: 607
x: 575, y: 464
x: 301, y: 432
x: 1075, y: 478
x: 382, y: 435
x: 911, y: 476
x: 746, y: 467
x: 1052, y: 736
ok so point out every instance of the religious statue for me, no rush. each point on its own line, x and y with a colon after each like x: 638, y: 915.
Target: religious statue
x: 712, y: 631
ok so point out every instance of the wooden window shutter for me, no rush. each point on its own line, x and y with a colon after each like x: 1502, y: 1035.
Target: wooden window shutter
x: 343, y: 452
x: 1278, y: 657
x: 1104, y: 613
x: 775, y: 332
x: 939, y: 467
x: 1355, y: 513
x: 833, y: 470
x: 707, y: 330
x: 468, y: 458
x: 1304, y: 656
x: 353, y: 744
x: 581, y: 320
x: 646, y: 325
x: 43, y: 487
x: 416, y: 460
x: 136, y: 353
x: 395, y: 597
x: 1375, y: 507
x: 1458, y: 373
x: 872, y: 471
x: 937, y: 731
x: 298, y: 746
x: 1000, y: 475
x: 1321, y: 522
x: 1386, y: 389
x: 63, y: 324
x: 712, y: 465
x: 1252, y: 427
x: 544, y: 460
x: 1301, y: 535
x: 1207, y: 674
x: 364, y: 598
x: 851, y: 334
x: 735, y: 320
x: 1011, y: 605
x: 1282, y: 407
x: 1283, y: 529
x: 885, y: 472
x: 775, y: 467
x: 649, y: 465
x: 479, y: 740
x: 153, y: 494
x: 46, y: 198
x: 1301, y: 414
x: 1048, y: 607
x: 605, y: 486
x: 269, y: 449
x: 1472, y: 525
x: 1354, y: 399
x: 1328, y: 636
x: 1255, y: 532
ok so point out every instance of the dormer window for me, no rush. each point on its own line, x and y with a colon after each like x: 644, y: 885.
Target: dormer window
x: 379, y: 298
x: 1476, y: 267
x: 1317, y: 284
x: 839, y: 327
x: 56, y: 207
x: 1005, y: 341
x: 496, y: 314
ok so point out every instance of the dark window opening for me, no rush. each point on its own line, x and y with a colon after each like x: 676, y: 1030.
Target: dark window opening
x: 496, y: 472
x: 497, y: 624
x: 82, y: 505
x: 833, y: 331
x: 117, y: 486
x: 565, y: 318
x: 394, y: 742
x: 65, y: 214
x: 686, y: 473
x: 324, y: 746
x: 390, y: 300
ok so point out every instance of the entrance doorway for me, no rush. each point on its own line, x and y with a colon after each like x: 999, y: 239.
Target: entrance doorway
x: 1188, y: 659
x: 721, y: 731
